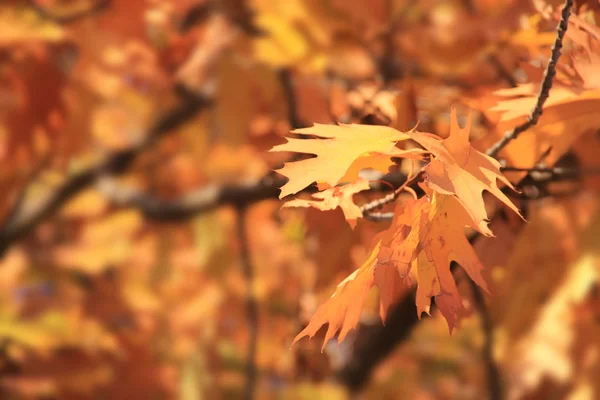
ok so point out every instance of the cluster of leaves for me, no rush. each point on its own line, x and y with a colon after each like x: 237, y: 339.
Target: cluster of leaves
x: 426, y: 234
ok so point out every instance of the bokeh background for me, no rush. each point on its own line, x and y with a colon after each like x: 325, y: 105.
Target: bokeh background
x: 143, y: 250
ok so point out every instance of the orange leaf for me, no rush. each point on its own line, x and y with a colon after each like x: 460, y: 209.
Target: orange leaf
x: 458, y: 169
x: 335, y: 197
x: 423, y: 239
x: 444, y: 241
x: 435, y: 239
x: 342, y: 310
x: 336, y: 152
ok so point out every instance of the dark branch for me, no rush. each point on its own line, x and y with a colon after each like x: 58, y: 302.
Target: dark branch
x: 549, y: 74
x: 114, y: 164
x: 202, y: 200
x: 378, y: 343
x: 555, y: 171
x: 285, y: 78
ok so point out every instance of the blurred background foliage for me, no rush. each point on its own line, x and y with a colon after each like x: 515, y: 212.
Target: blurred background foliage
x: 143, y: 251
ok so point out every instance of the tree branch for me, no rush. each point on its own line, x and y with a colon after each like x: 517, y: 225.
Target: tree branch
x: 114, y: 164
x: 555, y: 171
x: 201, y: 200
x: 549, y: 74
x: 378, y: 203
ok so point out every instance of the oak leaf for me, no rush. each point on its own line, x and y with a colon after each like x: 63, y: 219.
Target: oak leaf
x: 444, y: 241
x: 435, y: 239
x: 425, y: 236
x: 342, y: 310
x: 338, y: 149
x: 459, y: 169
x: 335, y: 197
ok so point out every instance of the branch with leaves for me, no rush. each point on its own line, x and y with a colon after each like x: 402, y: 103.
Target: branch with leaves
x: 549, y: 73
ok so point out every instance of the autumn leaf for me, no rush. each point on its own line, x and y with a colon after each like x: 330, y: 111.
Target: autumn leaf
x: 335, y: 197
x: 436, y: 238
x: 444, y: 241
x: 342, y: 310
x: 336, y: 152
x: 459, y: 169
x: 423, y: 239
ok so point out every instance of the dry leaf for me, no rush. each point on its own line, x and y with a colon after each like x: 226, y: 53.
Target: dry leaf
x: 341, y: 146
x: 335, y: 197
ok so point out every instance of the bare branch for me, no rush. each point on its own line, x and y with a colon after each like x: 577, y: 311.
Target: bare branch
x: 549, y: 74
x: 555, y: 171
x: 114, y: 164
x: 201, y: 200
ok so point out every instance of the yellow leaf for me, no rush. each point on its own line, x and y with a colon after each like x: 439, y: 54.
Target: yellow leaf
x: 336, y: 152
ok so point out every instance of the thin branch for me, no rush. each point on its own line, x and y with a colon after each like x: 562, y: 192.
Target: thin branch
x: 212, y: 196
x: 555, y: 171
x: 549, y: 74
x: 201, y: 200
x: 19, y: 202
x: 377, y: 203
x: 114, y: 164
x: 251, y: 305
x: 379, y: 216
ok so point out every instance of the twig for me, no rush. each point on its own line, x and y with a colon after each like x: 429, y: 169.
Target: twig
x: 251, y: 305
x: 549, y: 74
x: 555, y: 171
x: 379, y: 217
x: 114, y: 164
x: 377, y: 203
x: 493, y: 373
